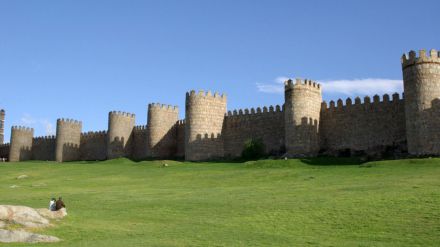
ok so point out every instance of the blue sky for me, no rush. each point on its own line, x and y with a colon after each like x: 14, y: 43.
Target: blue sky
x: 82, y: 59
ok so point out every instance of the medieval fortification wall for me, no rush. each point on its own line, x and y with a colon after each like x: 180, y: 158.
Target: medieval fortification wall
x: 266, y: 124
x: 303, y: 126
x: 363, y: 127
x: 141, y: 135
x: 93, y: 145
x: 43, y: 148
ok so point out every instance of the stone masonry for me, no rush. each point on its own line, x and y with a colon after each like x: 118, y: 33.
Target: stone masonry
x: 21, y: 143
x: 421, y: 77
x: 302, y: 107
x: 162, y: 135
x: 68, y: 140
x: 304, y: 126
x: 2, y: 126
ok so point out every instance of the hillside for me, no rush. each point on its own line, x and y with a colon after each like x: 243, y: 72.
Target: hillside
x: 313, y: 202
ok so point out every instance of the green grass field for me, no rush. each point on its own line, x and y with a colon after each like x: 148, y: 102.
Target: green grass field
x: 316, y: 202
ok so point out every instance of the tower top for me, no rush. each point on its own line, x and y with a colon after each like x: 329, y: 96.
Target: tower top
x: 412, y: 58
x: 300, y: 83
x: 206, y: 95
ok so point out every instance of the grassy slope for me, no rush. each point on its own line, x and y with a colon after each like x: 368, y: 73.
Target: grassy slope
x: 280, y: 203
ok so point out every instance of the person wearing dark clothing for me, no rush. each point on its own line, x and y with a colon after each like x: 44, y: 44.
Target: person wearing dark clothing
x: 59, y: 204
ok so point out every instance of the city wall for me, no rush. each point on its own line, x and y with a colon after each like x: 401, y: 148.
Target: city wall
x: 43, y: 148
x: 141, y: 142
x: 266, y: 124
x: 93, y: 145
x: 304, y: 126
x: 369, y: 127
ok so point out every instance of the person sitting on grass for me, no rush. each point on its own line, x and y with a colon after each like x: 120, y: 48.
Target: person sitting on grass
x: 52, y: 204
x: 59, y: 204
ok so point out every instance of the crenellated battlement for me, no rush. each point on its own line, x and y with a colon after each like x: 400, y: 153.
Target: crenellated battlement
x: 5, y: 145
x: 40, y: 139
x: 252, y: 111
x: 208, y: 136
x: 208, y: 94
x: 71, y: 145
x: 68, y: 121
x: 93, y: 134
x: 22, y: 129
x: 423, y: 57
x: 121, y: 114
x: 180, y: 122
x: 299, y: 83
x: 163, y: 107
x: 254, y: 118
x: 339, y: 104
x: 140, y: 128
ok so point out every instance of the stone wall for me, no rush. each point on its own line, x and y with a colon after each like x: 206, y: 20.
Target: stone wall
x: 180, y: 138
x: 93, y: 145
x: 68, y: 139
x: 266, y: 124
x: 120, y: 127
x: 140, y: 142
x: 421, y: 76
x: 370, y: 127
x: 204, y: 122
x: 21, y: 143
x: 43, y: 148
x: 303, y: 127
x: 162, y: 134
x: 4, y: 151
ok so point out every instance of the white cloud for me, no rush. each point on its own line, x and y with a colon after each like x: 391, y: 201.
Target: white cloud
x: 367, y: 86
x: 276, y: 87
x: 29, y: 121
x: 48, y: 127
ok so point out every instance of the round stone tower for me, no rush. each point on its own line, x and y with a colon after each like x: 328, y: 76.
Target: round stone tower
x: 21, y: 143
x: 68, y: 139
x: 421, y: 81
x: 204, y: 117
x: 120, y: 128
x: 2, y: 126
x: 301, y: 115
x: 162, y: 134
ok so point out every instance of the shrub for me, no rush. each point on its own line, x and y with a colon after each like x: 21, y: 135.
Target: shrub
x: 253, y: 149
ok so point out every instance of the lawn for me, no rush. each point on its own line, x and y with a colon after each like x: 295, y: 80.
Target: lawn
x: 315, y: 202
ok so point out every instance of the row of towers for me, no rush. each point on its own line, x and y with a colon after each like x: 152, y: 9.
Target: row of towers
x: 302, y: 113
x: 205, y: 115
x: 203, y: 125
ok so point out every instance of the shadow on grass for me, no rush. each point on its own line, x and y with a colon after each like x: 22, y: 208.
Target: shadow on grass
x: 333, y: 161
x: 266, y: 162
